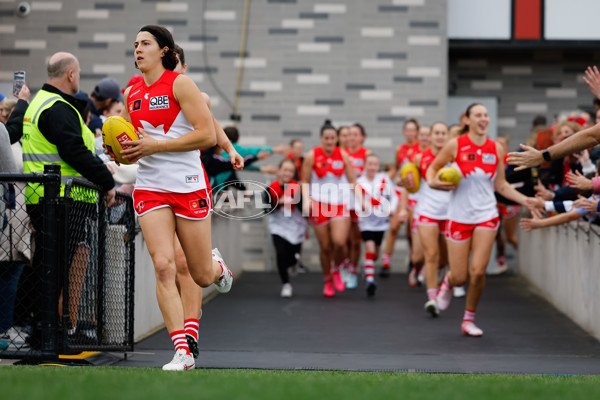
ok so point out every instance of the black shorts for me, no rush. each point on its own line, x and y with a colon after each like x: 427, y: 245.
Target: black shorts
x: 376, y: 236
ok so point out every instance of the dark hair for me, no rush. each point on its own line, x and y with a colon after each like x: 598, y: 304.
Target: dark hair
x: 287, y: 160
x: 164, y: 39
x: 293, y: 141
x: 327, y: 125
x: 180, y: 54
x: 362, y: 129
x: 85, y: 113
x: 539, y: 120
x: 412, y: 121
x: 465, y: 128
x: 596, y: 102
x: 232, y: 133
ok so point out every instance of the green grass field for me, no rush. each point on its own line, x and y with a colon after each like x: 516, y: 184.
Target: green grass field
x: 43, y: 382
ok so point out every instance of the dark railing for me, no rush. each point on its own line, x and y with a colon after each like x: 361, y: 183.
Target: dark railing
x: 68, y: 266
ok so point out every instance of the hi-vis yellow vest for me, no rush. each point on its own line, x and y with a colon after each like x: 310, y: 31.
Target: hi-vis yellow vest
x: 37, y: 151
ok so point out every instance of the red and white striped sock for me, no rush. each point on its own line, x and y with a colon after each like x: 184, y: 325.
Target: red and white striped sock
x: 432, y: 294
x: 336, y: 268
x: 370, y: 267
x: 327, y: 278
x: 179, y: 341
x: 386, y: 260
x: 469, y: 316
x: 191, y: 327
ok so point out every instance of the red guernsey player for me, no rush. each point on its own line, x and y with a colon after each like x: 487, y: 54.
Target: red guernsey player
x: 357, y: 154
x: 172, y: 192
x: 325, y: 201
x: 472, y: 212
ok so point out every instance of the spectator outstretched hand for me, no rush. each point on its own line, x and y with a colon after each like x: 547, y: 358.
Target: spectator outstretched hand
x: 579, y: 182
x: 592, y: 78
x: 529, y: 157
x: 589, y: 205
x: 541, y: 191
x: 529, y: 224
x: 536, y: 206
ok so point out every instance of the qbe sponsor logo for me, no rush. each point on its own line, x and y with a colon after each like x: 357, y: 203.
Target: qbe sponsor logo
x: 488, y: 158
x: 159, y: 102
x: 337, y: 164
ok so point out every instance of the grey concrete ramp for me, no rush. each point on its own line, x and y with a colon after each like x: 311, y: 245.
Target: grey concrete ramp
x: 252, y: 327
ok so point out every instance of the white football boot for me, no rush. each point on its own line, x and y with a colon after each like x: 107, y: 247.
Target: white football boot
x: 223, y: 285
x: 182, y: 361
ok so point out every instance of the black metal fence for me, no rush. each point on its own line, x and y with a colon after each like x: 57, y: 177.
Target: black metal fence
x: 66, y: 268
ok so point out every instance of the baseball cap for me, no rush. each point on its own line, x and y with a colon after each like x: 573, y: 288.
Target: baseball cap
x: 108, y: 88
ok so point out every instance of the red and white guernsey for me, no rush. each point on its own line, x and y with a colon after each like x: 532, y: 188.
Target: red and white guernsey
x: 327, y: 177
x: 380, y: 200
x: 432, y: 203
x: 473, y: 200
x: 154, y: 109
x: 407, y: 153
x: 357, y: 160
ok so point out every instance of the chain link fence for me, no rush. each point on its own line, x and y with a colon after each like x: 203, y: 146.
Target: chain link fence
x: 66, y: 268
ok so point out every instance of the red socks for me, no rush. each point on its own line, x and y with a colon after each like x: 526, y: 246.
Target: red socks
x: 386, y: 260
x: 469, y: 316
x: 370, y: 267
x: 179, y: 341
x: 191, y: 327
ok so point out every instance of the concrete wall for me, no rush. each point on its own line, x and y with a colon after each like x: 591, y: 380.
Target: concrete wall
x: 377, y: 62
x: 562, y: 264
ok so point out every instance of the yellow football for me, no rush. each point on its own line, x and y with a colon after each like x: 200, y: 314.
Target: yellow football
x: 115, y: 131
x: 450, y: 175
x: 410, y: 172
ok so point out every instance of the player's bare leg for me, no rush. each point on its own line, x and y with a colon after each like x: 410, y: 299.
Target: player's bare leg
x: 191, y: 297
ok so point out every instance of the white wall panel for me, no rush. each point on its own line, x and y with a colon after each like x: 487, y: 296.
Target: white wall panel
x: 476, y: 19
x: 572, y: 20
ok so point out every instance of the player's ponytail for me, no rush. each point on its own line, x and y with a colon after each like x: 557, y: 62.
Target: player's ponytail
x: 169, y: 60
x: 327, y: 125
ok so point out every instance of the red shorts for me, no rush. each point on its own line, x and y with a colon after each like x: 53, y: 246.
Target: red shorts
x: 322, y: 213
x: 458, y: 232
x: 508, y: 211
x: 194, y: 205
x: 353, y: 216
x: 426, y: 221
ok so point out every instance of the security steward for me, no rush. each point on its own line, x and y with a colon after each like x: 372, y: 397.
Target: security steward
x: 54, y: 132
